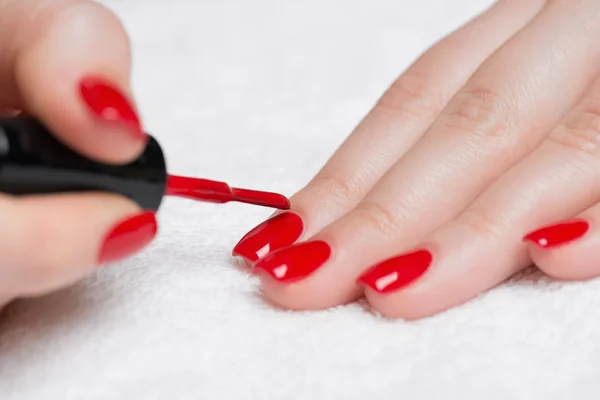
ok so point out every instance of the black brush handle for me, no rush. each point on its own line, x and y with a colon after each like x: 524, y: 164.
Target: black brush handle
x: 33, y: 161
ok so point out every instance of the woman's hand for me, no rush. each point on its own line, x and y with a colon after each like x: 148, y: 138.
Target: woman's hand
x: 492, y: 134
x: 67, y: 63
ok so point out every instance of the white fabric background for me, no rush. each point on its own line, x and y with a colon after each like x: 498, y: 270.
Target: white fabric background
x: 260, y: 93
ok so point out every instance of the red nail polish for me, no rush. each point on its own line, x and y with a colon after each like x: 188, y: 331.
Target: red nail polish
x: 279, y: 231
x: 128, y: 237
x: 295, y: 262
x: 397, y: 272
x: 558, y: 234
x: 109, y: 104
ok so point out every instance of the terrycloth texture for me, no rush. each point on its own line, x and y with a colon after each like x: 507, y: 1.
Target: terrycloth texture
x: 260, y: 93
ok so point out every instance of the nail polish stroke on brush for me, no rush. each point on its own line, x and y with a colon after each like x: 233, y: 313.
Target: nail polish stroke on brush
x: 220, y: 192
x: 33, y: 161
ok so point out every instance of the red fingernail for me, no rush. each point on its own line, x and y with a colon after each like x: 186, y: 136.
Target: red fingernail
x: 397, y: 272
x: 109, y: 104
x: 128, y: 237
x: 296, y: 262
x: 279, y: 231
x: 558, y: 234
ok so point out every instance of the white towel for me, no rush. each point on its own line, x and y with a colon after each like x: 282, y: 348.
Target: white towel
x: 260, y: 93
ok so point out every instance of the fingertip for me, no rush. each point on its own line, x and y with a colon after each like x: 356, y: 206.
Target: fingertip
x: 50, y: 241
x: 556, y: 263
x: 113, y: 119
x: 564, y: 250
x: 128, y: 236
x: 558, y: 234
x: 74, y: 74
x: 280, y: 230
x: 311, y: 295
x: 294, y: 278
x: 406, y: 301
x: 390, y: 308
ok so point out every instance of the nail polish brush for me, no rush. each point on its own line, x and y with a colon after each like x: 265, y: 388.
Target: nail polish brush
x: 33, y: 161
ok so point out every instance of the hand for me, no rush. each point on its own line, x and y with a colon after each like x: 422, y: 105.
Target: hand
x: 440, y: 192
x: 67, y: 63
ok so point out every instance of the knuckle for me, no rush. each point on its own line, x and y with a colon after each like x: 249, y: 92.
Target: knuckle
x: 378, y: 218
x: 340, y: 190
x: 479, y: 222
x: 580, y: 133
x: 413, y: 96
x: 480, y: 112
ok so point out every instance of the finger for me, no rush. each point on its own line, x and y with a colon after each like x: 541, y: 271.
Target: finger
x: 68, y: 63
x: 42, y: 251
x: 391, y: 128
x: 568, y: 249
x: 4, y: 300
x: 496, y: 120
x: 484, y: 245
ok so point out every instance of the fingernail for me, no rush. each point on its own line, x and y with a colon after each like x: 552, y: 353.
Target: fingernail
x: 128, y: 237
x: 110, y: 105
x: 279, y: 231
x: 558, y: 234
x: 397, y: 272
x: 295, y: 262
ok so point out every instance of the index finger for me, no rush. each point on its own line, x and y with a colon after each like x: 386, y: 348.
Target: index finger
x: 68, y: 63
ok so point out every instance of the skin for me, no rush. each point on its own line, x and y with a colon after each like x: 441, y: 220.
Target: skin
x: 492, y: 133
x: 43, y: 251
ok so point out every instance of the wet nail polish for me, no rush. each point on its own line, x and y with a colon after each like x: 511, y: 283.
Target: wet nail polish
x: 128, y: 237
x: 279, y: 231
x: 395, y: 273
x: 295, y: 262
x: 109, y: 104
x: 558, y: 234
